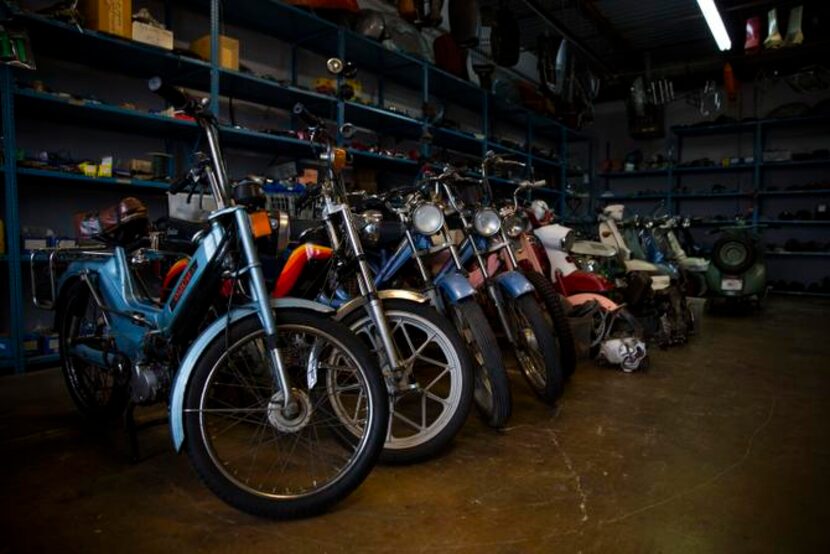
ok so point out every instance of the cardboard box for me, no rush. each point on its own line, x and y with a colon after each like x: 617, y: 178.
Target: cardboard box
x: 228, y: 50
x: 152, y: 35
x: 109, y: 16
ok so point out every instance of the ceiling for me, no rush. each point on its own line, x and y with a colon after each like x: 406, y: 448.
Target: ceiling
x: 622, y: 38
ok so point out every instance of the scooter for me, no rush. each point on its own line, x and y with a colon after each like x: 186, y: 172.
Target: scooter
x: 663, y: 308
x: 266, y: 374
x: 737, y: 272
x: 574, y: 267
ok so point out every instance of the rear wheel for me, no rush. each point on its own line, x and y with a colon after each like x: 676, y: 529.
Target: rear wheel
x: 535, y: 348
x: 262, y: 460
x: 552, y: 301
x: 98, y: 392
x: 431, y: 397
x: 492, y: 387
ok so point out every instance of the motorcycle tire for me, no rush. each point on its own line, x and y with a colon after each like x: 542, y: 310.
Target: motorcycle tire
x: 98, y: 393
x: 546, y: 378
x: 491, y: 394
x: 274, y: 500
x: 734, y: 255
x: 437, y: 436
x: 552, y: 302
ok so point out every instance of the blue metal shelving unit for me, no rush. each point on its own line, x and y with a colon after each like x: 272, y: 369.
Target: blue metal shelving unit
x: 296, y: 27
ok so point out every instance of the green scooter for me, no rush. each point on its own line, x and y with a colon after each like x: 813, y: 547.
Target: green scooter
x: 737, y: 271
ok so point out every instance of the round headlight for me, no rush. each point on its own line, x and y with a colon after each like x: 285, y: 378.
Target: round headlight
x: 487, y: 222
x: 428, y: 219
x: 514, y: 225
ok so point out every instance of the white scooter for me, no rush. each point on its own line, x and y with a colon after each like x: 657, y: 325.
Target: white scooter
x: 616, y: 334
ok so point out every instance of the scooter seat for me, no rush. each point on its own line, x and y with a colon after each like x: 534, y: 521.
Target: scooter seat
x: 121, y: 224
x: 660, y: 282
x: 640, y: 265
x: 593, y: 248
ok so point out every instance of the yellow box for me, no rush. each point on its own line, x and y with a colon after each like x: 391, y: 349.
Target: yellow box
x: 109, y: 16
x: 152, y: 35
x: 228, y: 50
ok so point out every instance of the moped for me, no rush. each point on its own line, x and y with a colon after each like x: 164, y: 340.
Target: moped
x: 426, y: 236
x: 509, y: 294
x: 281, y: 410
x: 427, y: 368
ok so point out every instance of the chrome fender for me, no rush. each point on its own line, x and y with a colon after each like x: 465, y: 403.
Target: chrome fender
x: 215, y: 329
x: 388, y: 294
x: 514, y: 283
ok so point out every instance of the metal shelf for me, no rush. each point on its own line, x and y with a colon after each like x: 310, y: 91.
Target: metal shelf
x: 797, y: 163
x: 633, y: 174
x: 97, y: 181
x: 799, y: 254
x: 713, y: 168
x: 816, y: 192
x: 795, y: 223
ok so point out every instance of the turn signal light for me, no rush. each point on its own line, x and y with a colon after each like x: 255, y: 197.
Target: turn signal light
x: 260, y: 224
x: 339, y: 161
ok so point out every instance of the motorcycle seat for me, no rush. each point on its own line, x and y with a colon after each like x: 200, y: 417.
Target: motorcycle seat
x: 121, y: 224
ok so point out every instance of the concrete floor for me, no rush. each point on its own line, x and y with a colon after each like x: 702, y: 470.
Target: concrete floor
x: 723, y: 446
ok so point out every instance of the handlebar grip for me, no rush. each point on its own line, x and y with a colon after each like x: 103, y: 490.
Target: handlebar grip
x: 308, y: 117
x: 173, y: 95
x: 178, y: 185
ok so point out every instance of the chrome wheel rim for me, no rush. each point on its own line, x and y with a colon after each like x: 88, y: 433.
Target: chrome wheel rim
x: 254, y: 453
x: 433, y: 369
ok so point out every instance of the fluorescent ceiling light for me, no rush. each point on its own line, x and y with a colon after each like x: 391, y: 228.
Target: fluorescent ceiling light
x: 713, y: 19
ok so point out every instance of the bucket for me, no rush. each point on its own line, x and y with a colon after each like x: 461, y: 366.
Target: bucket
x: 581, y: 329
x: 697, y: 306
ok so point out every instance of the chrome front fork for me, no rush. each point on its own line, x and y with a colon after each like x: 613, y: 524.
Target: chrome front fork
x: 259, y: 291
x: 366, y: 283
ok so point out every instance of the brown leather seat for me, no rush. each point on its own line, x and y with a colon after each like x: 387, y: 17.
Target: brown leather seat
x: 123, y: 223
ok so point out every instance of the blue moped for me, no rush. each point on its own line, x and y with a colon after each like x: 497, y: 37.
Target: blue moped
x: 426, y: 235
x: 281, y: 410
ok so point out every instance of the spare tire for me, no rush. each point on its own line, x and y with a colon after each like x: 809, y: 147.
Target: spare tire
x: 734, y: 254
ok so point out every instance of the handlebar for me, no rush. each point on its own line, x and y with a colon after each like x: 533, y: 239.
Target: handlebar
x: 174, y: 96
x: 308, y: 117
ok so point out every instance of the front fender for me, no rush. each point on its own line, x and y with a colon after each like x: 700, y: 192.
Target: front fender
x: 388, y: 294
x: 514, y: 283
x: 182, y: 378
x: 455, y: 287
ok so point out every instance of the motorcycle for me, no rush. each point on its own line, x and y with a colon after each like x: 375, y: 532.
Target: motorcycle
x: 427, y: 236
x: 487, y: 254
x: 425, y: 362
x: 518, y: 254
x: 245, y: 386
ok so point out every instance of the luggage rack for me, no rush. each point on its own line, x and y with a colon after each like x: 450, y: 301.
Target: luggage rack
x: 55, y: 260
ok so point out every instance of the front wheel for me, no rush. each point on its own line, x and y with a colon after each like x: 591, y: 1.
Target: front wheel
x: 535, y: 348
x: 552, y: 301
x: 492, y: 387
x: 255, y: 455
x: 431, y: 394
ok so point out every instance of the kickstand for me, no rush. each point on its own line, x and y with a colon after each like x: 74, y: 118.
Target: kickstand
x: 132, y: 429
